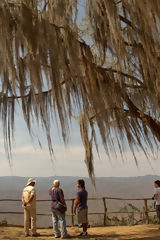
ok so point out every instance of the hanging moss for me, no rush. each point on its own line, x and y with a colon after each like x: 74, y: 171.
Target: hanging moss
x: 51, y: 71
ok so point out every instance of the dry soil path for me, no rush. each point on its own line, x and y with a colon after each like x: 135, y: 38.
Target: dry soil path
x: 145, y: 232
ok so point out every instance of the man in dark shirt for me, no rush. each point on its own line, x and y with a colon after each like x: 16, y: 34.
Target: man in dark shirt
x: 81, y: 206
x: 57, y: 195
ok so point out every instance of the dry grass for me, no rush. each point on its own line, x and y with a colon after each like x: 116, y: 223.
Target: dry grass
x: 146, y: 232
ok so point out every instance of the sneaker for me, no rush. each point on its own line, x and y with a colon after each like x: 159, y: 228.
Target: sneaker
x: 83, y: 234
x: 80, y: 226
x: 66, y: 236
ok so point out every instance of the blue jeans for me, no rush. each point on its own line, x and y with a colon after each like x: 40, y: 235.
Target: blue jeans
x: 56, y: 215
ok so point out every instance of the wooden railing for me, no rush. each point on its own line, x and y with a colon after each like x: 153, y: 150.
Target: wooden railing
x: 104, y: 213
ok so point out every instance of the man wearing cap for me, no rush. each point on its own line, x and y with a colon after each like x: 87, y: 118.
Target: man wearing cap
x: 29, y: 204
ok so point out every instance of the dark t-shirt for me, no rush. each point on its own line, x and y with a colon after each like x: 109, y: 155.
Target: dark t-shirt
x: 82, y: 194
x: 56, y: 195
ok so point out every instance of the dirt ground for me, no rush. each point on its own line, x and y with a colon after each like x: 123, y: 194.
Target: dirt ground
x: 146, y: 232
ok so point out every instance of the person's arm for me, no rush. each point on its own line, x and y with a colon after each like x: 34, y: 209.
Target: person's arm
x: 155, y: 194
x: 29, y: 200
x: 63, y: 201
x: 76, y: 205
x: 61, y: 196
x: 31, y: 196
x: 23, y: 201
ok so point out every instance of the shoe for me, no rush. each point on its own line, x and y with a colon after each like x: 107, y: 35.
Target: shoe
x: 58, y: 236
x: 80, y: 226
x: 35, y: 235
x: 26, y: 235
x: 66, y: 236
x: 83, y: 234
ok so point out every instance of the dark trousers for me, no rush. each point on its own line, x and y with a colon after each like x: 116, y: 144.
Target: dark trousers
x: 158, y: 211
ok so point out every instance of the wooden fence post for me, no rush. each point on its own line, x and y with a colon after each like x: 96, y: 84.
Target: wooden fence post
x: 146, y: 211
x: 105, y: 210
x: 104, y: 213
x: 72, y: 209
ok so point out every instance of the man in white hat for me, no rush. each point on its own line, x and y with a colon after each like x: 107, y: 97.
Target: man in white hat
x: 29, y: 204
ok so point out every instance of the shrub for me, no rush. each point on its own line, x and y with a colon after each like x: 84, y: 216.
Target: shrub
x: 3, y: 222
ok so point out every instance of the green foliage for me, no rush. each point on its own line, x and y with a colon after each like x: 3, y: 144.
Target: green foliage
x: 153, y: 220
x: 133, y: 216
x: 134, y: 208
x: 151, y: 207
x: 3, y: 222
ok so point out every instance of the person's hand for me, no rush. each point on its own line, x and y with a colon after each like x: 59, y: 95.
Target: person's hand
x: 25, y: 204
x: 156, y: 196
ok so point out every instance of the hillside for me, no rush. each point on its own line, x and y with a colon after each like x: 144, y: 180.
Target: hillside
x: 113, y: 186
x: 11, y: 187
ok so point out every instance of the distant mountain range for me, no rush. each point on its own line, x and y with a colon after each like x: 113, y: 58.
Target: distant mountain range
x: 128, y: 187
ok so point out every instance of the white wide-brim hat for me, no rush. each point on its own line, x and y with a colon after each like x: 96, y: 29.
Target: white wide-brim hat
x: 30, y: 180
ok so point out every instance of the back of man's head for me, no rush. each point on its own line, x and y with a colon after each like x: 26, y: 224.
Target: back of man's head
x: 157, y: 182
x: 81, y: 182
x: 56, y: 183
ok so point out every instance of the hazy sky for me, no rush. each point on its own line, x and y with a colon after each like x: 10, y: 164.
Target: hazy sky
x: 30, y: 160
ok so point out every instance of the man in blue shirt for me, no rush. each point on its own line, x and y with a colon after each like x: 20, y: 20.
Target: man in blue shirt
x: 81, y: 206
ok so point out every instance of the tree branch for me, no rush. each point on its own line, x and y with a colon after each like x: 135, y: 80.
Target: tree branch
x: 151, y: 122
